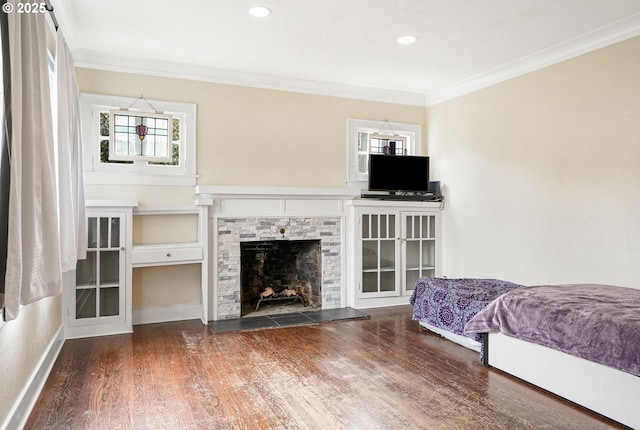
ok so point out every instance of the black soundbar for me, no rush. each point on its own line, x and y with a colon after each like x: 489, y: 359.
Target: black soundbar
x: 412, y: 197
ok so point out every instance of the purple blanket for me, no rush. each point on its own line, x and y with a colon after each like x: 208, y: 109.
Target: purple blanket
x: 450, y: 303
x: 600, y: 323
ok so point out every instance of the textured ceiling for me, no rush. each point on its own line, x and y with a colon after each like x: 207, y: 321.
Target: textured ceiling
x: 338, y: 44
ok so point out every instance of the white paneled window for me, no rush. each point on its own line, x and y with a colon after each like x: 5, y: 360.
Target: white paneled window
x: 127, y: 141
x: 366, y: 137
x: 139, y: 136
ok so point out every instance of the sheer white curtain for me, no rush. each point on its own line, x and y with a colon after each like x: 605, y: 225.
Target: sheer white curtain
x: 5, y: 166
x: 73, y: 229
x: 33, y: 257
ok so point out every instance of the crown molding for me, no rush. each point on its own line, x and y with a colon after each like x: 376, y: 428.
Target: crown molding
x: 169, y: 69
x: 600, y: 38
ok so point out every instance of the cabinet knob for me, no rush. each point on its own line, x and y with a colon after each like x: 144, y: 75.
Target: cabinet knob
x: 168, y: 254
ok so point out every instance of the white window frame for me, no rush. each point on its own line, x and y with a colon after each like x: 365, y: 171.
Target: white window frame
x: 412, y: 132
x: 140, y: 172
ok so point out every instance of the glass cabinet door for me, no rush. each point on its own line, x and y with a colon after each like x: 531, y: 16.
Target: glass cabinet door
x: 419, y: 248
x: 379, y: 254
x: 98, y: 277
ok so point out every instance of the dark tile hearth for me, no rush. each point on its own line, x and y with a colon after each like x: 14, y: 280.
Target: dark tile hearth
x: 286, y: 320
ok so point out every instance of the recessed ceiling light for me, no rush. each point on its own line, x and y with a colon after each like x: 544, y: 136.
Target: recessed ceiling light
x: 259, y: 11
x: 407, y: 40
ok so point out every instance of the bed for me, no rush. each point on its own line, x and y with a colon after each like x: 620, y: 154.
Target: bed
x: 579, y: 341
x: 444, y: 305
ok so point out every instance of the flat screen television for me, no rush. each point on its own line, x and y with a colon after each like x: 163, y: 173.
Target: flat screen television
x: 398, y: 173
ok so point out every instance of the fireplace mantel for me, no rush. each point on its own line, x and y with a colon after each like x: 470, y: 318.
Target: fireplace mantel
x: 275, y: 201
x: 237, y: 192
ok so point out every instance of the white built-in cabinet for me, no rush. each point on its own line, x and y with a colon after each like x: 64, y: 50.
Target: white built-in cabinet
x: 97, y: 297
x: 176, y: 253
x: 394, y: 244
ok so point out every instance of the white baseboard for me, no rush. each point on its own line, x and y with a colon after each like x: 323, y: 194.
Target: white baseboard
x: 29, y: 395
x: 380, y: 302
x: 171, y: 313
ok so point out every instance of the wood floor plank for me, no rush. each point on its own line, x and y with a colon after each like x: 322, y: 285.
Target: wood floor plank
x: 385, y: 372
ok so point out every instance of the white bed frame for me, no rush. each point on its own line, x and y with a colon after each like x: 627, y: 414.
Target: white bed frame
x: 605, y: 390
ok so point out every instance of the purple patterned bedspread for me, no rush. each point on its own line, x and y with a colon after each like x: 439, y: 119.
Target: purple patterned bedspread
x: 450, y: 303
x: 599, y: 323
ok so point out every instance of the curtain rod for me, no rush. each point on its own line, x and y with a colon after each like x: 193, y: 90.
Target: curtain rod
x: 53, y: 15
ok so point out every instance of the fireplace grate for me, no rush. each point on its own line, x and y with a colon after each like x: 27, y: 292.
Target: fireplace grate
x: 277, y: 297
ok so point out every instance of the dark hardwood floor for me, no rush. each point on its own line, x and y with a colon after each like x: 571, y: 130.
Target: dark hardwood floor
x: 380, y: 373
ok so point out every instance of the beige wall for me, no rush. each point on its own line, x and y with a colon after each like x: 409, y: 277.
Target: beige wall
x: 157, y: 287
x: 252, y: 136
x: 245, y: 136
x: 23, y: 343
x: 152, y: 229
x: 542, y: 173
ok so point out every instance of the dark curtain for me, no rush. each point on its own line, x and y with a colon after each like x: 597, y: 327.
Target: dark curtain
x: 5, y: 166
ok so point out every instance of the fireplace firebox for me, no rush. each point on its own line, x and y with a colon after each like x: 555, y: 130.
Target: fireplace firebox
x: 280, y: 272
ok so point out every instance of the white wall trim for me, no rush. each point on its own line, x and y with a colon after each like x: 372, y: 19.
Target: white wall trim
x: 168, y: 314
x: 618, y: 31
x: 26, y: 400
x: 105, y: 203
x: 170, y: 69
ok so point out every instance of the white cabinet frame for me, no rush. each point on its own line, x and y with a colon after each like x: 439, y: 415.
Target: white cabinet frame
x: 360, y: 211
x: 104, y: 325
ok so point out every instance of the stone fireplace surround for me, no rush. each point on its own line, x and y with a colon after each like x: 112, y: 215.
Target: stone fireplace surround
x: 240, y: 214
x: 232, y: 231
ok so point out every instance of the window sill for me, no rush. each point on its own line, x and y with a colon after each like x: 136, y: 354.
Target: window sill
x: 104, y: 178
